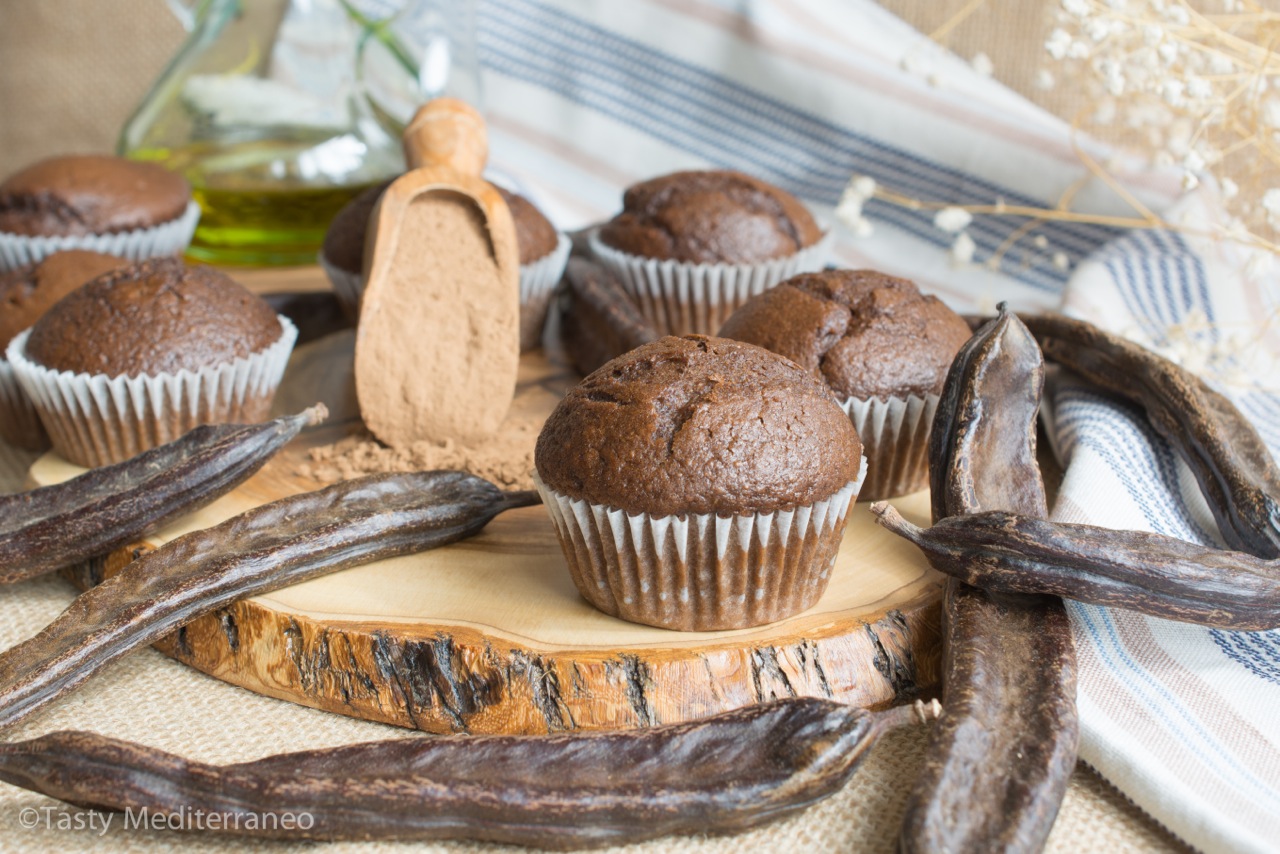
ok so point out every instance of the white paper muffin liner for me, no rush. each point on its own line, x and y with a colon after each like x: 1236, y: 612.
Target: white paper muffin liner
x: 19, y: 423
x: 96, y: 420
x: 701, y: 572
x: 895, y: 441
x: 168, y: 238
x: 538, y: 280
x: 680, y: 298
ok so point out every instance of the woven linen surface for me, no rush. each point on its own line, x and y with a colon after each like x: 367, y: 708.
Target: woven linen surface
x: 585, y: 97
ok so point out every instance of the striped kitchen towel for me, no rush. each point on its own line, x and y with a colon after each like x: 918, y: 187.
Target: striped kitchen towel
x: 585, y: 97
x: 1183, y: 719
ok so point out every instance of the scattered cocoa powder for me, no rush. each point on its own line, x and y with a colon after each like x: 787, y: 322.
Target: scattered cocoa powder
x: 505, y: 459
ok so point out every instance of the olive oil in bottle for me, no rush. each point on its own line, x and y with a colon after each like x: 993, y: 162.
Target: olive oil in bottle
x: 269, y: 202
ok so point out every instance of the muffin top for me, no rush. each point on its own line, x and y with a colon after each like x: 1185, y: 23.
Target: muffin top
x: 698, y: 425
x: 535, y: 235
x: 344, y: 241
x: 90, y: 194
x: 866, y: 334
x: 28, y: 292
x: 710, y: 217
x: 153, y: 317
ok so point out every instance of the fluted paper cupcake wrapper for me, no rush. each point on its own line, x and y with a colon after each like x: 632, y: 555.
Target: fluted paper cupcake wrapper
x: 168, y: 238
x: 895, y: 441
x: 538, y: 280
x: 680, y: 298
x: 95, y: 420
x: 19, y: 423
x: 700, y: 572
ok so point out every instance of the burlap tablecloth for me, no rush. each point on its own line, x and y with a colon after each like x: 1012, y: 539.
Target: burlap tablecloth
x: 70, y: 72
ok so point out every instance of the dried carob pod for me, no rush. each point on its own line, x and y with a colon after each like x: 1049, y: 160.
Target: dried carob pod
x: 720, y: 775
x: 1236, y: 473
x: 1149, y: 573
x: 269, y: 547
x: 1002, y: 753
x: 105, y: 508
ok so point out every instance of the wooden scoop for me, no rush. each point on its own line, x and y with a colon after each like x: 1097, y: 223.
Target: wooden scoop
x: 438, y: 344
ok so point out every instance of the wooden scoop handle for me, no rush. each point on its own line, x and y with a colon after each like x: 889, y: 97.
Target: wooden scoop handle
x: 448, y: 133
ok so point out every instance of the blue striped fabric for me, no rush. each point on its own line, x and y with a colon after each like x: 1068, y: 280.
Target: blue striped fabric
x: 1167, y: 706
x: 709, y: 115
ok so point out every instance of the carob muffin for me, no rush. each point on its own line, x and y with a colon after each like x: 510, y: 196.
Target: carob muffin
x: 543, y: 252
x: 25, y: 295
x: 693, y: 246
x: 698, y: 484
x: 141, y: 354
x: 107, y: 204
x: 881, y: 346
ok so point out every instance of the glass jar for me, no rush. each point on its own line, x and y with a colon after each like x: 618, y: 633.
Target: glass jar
x: 278, y: 112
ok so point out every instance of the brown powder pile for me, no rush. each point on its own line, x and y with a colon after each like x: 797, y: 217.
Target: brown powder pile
x: 506, y: 459
x: 438, y: 345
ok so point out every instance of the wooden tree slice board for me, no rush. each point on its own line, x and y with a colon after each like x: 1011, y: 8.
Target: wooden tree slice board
x: 490, y: 635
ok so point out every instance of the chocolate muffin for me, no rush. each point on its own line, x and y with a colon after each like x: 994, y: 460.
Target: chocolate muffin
x: 879, y: 344
x: 542, y: 257
x: 28, y: 292
x: 344, y: 241
x: 711, y: 217
x: 25, y: 294
x: 153, y: 317
x: 141, y: 354
x: 90, y: 194
x: 691, y: 247
x: 669, y: 438
x: 535, y: 235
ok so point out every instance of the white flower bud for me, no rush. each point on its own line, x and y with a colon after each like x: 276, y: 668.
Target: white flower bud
x: 1271, y: 204
x: 1058, y: 43
x: 952, y: 219
x: 863, y: 185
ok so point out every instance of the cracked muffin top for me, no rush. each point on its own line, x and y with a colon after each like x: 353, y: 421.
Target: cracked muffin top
x: 698, y: 425
x: 77, y: 195
x: 710, y: 217
x: 864, y: 333
x: 153, y: 317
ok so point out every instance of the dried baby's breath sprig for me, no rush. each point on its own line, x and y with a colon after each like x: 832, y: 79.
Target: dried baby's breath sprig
x: 1188, y: 84
x: 1195, y: 85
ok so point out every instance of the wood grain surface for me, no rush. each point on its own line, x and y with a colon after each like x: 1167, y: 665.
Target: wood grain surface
x: 490, y: 635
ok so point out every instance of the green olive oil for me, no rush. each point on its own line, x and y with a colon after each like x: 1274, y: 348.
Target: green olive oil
x: 263, y: 202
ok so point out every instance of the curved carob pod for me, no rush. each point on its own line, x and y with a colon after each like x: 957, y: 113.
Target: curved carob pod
x: 1236, y: 473
x: 269, y: 547
x: 1003, y: 751
x: 720, y: 775
x: 61, y: 525
x: 1149, y: 573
